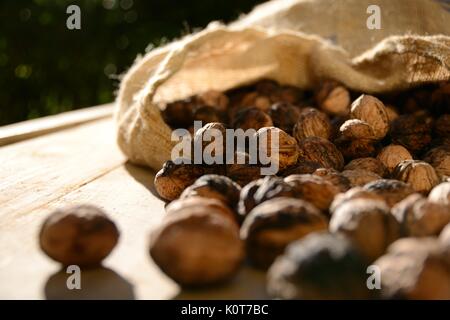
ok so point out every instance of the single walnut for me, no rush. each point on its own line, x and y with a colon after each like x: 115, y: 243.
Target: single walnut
x: 285, y: 145
x: 419, y: 217
x: 415, y: 269
x: 301, y: 167
x: 419, y: 174
x: 214, y: 99
x: 392, y: 191
x: 193, y: 202
x: 262, y: 190
x: 359, y: 177
x: 256, y: 100
x: 412, y: 131
x: 211, y: 137
x: 284, y: 116
x: 207, y: 114
x: 392, y: 113
x: 439, y: 158
x: 368, y: 223
x: 369, y: 164
x: 197, y: 246
x: 441, y: 194
x: 241, y: 170
x: 312, y: 123
x: 272, y: 225
x: 81, y: 235
x: 333, y: 98
x: 357, y: 129
x: 356, y: 148
x: 179, y: 114
x: 214, y: 187
x: 251, y: 118
x: 321, y: 151
x: 352, y: 194
x: 319, y: 266
x: 313, y: 189
x: 372, y: 111
x: 392, y: 155
x: 334, y: 177
x: 173, y: 178
x: 287, y: 94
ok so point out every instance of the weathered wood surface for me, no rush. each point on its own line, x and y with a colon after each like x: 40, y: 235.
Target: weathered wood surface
x: 82, y: 164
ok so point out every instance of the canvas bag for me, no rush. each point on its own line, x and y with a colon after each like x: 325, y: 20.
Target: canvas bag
x: 294, y: 42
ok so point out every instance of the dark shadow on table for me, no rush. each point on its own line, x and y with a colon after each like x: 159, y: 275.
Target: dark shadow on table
x: 96, y: 284
x: 248, y: 284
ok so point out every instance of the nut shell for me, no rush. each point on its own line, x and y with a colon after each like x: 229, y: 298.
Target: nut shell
x: 371, y: 110
x: 312, y: 123
x: 333, y: 98
x: 392, y: 191
x: 369, y: 164
x: 392, y: 155
x: 321, y: 151
x: 420, y: 175
x: 360, y: 177
x: 357, y: 129
x: 441, y: 194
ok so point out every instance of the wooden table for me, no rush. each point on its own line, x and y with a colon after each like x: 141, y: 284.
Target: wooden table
x: 71, y: 159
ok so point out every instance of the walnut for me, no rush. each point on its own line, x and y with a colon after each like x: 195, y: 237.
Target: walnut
x: 444, y: 238
x: 333, y: 98
x: 247, y: 199
x: 197, y: 245
x: 212, y: 136
x: 369, y: 164
x: 415, y: 269
x: 439, y: 158
x: 313, y: 189
x: 251, y: 118
x: 179, y: 114
x: 214, y: 187
x: 173, y: 178
x: 321, y: 151
x: 319, y: 266
x: 312, y: 123
x: 392, y: 113
x: 392, y: 155
x: 301, y: 167
x: 419, y: 174
x: 288, y: 94
x: 392, y: 191
x: 287, y: 154
x: 80, y: 235
x: 357, y: 129
x: 352, y: 194
x: 272, y: 225
x: 207, y: 114
x: 441, y: 194
x: 242, y: 173
x: 334, y: 177
x: 284, y: 116
x: 359, y: 177
x: 442, y: 126
x: 412, y: 131
x: 419, y: 217
x: 368, y: 223
x: 355, y: 148
x: 214, y: 99
x: 372, y: 111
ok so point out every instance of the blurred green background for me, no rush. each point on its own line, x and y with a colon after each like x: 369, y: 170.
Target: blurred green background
x: 46, y: 68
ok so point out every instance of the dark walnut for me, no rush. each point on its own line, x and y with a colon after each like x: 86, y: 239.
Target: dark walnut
x: 368, y: 223
x: 272, y: 225
x: 313, y: 189
x: 173, y: 178
x: 241, y: 170
x: 215, y: 99
x: 415, y: 269
x: 257, y: 100
x: 247, y: 198
x: 419, y: 217
x: 441, y: 194
x: 412, y: 131
x: 357, y: 129
x: 81, y: 235
x: 251, y: 118
x: 359, y: 177
x: 335, y: 178
x: 369, y: 164
x: 391, y: 155
x: 356, y: 148
x: 214, y: 187
x: 284, y: 116
x: 301, y: 167
x: 333, y: 98
x: 312, y: 123
x: 212, y: 139
x: 286, y: 148
x: 321, y: 151
x: 287, y: 94
x: 439, y: 158
x: 197, y: 246
x: 319, y: 266
x: 392, y: 191
x: 352, y: 194
x: 372, y: 111
x: 179, y: 114
x: 419, y: 174
x: 207, y: 114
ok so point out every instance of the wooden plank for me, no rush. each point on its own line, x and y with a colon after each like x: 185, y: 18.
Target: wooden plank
x: 128, y: 196
x: 40, y: 170
x: 34, y: 128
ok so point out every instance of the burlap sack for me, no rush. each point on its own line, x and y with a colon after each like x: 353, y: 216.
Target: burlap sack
x: 294, y: 42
